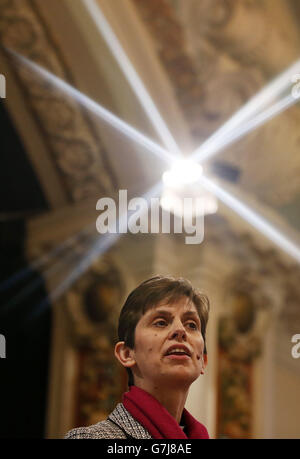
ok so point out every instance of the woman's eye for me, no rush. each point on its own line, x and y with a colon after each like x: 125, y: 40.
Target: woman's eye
x: 192, y: 325
x: 160, y: 323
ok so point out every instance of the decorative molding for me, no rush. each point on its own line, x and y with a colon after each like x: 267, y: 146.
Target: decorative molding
x: 73, y: 143
x: 216, y: 64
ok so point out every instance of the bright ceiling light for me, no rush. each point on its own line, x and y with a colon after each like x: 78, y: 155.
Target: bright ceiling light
x: 182, y: 181
x: 203, y: 202
x: 183, y: 172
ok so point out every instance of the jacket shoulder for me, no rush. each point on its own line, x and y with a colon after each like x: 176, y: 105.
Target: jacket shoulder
x: 119, y: 424
x: 102, y: 430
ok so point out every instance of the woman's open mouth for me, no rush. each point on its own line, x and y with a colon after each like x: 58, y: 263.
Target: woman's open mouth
x: 178, y: 356
x: 178, y: 352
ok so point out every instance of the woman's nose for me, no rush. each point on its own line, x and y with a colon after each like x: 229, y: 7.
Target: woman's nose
x: 177, y: 332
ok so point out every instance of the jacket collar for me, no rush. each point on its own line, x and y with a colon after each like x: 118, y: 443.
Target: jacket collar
x: 128, y: 423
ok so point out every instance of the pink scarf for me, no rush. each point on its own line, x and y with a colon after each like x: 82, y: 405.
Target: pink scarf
x: 157, y: 420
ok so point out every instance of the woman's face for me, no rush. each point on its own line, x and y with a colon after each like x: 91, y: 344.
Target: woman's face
x: 168, y: 346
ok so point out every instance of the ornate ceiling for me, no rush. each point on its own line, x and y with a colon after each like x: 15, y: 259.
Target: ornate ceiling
x: 218, y: 54
x: 200, y: 61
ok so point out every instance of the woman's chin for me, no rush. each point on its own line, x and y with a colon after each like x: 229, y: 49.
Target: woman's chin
x: 179, y: 375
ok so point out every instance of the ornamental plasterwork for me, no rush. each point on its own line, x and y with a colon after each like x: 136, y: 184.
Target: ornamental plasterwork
x: 93, y: 304
x: 209, y: 83
x: 228, y: 25
x: 216, y: 63
x: 72, y: 141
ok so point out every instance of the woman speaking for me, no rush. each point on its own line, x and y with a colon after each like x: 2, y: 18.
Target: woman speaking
x: 162, y: 346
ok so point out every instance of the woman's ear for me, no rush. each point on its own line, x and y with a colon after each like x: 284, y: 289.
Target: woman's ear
x: 204, y: 363
x: 124, y: 354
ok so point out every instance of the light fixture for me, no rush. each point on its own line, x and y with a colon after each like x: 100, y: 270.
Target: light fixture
x: 183, y: 172
x: 183, y: 181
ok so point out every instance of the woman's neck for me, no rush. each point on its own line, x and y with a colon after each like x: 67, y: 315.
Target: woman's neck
x: 172, y: 399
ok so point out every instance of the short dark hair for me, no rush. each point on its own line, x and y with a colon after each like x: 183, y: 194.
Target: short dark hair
x: 149, y: 294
